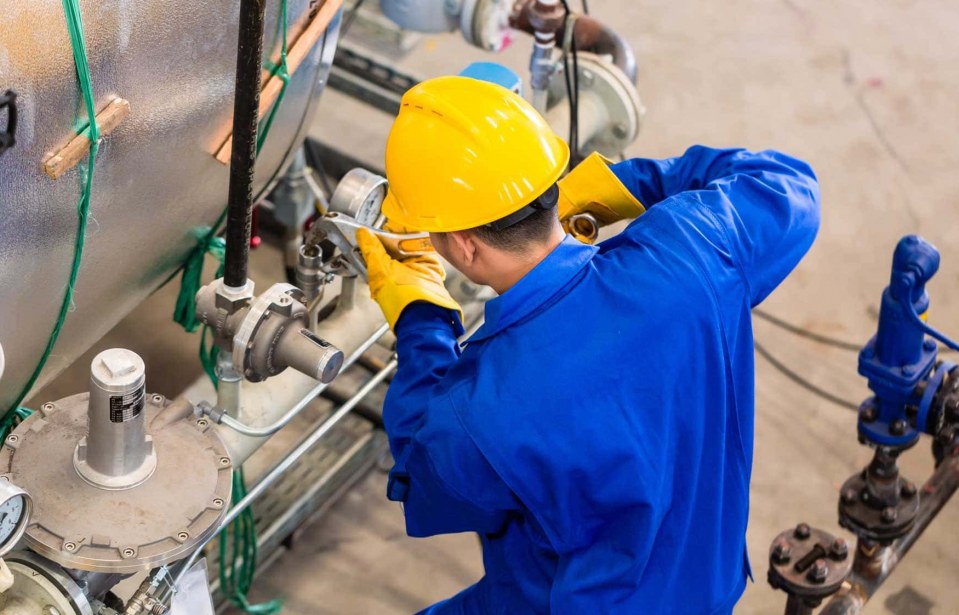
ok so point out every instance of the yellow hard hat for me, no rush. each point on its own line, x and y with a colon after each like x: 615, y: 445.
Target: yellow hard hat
x: 463, y: 153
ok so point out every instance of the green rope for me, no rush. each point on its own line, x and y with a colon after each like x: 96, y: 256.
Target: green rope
x: 238, y: 556
x: 74, y: 21
x: 281, y: 70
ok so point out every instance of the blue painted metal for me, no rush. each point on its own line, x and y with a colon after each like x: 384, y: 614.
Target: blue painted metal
x: 495, y: 73
x: 899, y: 357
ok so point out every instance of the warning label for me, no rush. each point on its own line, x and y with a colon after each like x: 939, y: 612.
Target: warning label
x: 124, y: 408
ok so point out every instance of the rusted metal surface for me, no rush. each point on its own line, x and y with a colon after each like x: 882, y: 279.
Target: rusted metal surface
x: 873, y: 563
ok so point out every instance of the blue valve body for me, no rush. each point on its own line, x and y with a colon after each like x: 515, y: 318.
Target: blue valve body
x: 899, y: 357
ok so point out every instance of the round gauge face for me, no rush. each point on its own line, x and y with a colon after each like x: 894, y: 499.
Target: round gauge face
x: 369, y: 210
x: 11, y: 513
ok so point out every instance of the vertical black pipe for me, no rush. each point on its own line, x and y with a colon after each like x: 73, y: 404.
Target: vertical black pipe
x: 246, y: 102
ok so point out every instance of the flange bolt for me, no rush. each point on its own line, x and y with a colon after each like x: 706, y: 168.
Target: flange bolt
x: 781, y: 552
x: 818, y: 572
x: 839, y: 549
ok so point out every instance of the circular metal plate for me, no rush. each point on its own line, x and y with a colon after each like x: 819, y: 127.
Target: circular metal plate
x: 159, y: 521
x: 808, y: 562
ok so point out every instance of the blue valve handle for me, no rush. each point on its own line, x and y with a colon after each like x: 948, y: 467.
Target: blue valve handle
x: 900, y: 356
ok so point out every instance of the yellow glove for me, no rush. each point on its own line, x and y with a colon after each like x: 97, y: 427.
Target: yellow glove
x: 593, y: 188
x: 396, y: 284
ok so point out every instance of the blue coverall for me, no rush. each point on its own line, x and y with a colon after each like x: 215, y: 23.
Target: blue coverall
x: 597, y: 431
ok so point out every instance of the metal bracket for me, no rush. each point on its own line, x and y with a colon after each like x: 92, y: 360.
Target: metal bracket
x: 8, y: 138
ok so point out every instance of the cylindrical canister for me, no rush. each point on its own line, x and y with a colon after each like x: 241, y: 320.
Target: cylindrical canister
x: 116, y: 453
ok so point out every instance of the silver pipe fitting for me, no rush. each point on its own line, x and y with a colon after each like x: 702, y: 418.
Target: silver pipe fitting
x: 269, y: 430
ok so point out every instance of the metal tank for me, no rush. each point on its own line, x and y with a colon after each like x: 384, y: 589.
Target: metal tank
x: 156, y: 175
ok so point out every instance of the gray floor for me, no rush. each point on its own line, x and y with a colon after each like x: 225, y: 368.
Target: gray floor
x: 866, y: 92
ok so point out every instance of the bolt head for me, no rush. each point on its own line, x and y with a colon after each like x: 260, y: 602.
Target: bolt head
x: 802, y: 531
x: 928, y: 345
x: 909, y: 370
x: 908, y: 489
x: 838, y: 550
x: 818, y: 572
x: 781, y: 552
x: 898, y: 427
x: 888, y: 515
x: 868, y: 414
x: 849, y: 496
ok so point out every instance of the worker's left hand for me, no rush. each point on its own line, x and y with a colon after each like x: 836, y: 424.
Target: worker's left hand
x: 592, y: 188
x: 395, y: 284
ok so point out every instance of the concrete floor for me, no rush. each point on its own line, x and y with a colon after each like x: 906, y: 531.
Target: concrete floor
x: 864, y: 91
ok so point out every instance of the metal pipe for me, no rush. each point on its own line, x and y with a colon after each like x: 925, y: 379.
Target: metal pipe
x: 874, y: 564
x: 798, y: 606
x: 596, y: 37
x: 284, y: 464
x: 269, y: 430
x: 246, y: 103
x: 591, y: 34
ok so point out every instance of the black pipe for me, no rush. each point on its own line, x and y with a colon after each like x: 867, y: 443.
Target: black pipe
x: 874, y: 564
x: 596, y: 37
x: 246, y: 103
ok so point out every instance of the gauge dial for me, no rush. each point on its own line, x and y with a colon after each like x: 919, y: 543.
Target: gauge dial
x: 360, y: 195
x: 15, y: 508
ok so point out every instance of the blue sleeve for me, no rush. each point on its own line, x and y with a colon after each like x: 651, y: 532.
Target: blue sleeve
x: 444, y: 481
x: 765, y: 204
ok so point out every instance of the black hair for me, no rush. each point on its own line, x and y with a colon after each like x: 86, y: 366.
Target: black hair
x: 530, y: 225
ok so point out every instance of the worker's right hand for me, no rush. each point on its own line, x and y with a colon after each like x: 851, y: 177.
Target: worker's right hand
x: 592, y: 188
x: 395, y: 284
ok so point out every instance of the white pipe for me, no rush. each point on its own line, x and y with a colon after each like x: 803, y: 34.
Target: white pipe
x: 349, y: 327
x: 593, y: 116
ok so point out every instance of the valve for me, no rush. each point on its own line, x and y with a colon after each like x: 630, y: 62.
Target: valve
x: 266, y: 334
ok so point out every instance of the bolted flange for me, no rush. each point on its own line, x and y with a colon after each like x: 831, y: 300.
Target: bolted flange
x: 808, y: 563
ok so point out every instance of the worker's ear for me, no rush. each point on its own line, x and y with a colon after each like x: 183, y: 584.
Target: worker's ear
x: 464, y: 245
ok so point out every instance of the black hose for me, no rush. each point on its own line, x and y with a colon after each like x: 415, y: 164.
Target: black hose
x: 246, y: 105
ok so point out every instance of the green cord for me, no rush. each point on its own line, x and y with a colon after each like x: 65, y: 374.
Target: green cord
x: 238, y: 556
x: 74, y: 21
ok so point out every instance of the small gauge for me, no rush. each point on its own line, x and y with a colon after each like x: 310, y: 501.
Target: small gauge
x: 360, y: 195
x: 15, y: 509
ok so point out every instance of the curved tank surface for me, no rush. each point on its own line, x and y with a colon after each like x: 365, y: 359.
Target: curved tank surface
x: 156, y: 177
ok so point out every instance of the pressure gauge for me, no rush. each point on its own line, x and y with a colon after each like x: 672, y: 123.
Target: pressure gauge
x: 360, y: 195
x: 15, y: 509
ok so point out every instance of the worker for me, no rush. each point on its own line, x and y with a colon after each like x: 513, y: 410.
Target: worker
x: 597, y: 430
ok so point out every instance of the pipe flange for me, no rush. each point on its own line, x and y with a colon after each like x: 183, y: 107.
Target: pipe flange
x: 82, y: 526
x: 268, y: 317
x: 42, y: 583
x: 620, y: 100
x: 808, y: 563
x: 863, y: 514
x: 485, y: 23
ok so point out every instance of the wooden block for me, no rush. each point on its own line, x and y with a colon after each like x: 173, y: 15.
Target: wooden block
x: 295, y: 55
x: 73, y: 152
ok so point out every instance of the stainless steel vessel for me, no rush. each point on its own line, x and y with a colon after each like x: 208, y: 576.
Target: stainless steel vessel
x: 156, y: 175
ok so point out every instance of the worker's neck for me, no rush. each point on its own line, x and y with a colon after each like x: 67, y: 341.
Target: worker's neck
x: 514, y: 267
